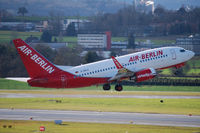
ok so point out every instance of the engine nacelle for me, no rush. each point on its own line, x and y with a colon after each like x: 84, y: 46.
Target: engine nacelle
x: 143, y: 75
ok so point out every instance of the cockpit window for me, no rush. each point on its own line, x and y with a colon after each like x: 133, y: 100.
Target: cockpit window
x: 182, y: 50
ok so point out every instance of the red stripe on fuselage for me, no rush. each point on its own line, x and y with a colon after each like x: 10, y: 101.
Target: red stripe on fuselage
x: 176, y: 66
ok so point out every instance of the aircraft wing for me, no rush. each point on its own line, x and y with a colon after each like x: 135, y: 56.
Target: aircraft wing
x: 122, y: 72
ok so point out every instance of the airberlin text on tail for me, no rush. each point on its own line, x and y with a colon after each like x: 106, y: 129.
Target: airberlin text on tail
x: 37, y: 59
x: 35, y: 64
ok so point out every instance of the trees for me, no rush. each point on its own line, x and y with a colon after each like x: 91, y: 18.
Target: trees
x: 46, y: 36
x: 159, y: 10
x: 46, y: 51
x: 68, y: 56
x: 71, y: 31
x: 11, y: 64
x: 182, y: 11
x: 22, y: 11
x: 91, y: 57
x: 55, y: 23
x: 162, y: 22
x: 131, y: 40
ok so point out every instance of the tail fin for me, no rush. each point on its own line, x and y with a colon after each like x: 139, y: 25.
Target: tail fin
x: 35, y: 64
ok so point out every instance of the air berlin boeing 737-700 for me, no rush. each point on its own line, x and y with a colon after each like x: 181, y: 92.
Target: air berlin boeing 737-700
x: 138, y: 67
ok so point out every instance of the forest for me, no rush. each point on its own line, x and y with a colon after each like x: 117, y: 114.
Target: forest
x: 162, y: 23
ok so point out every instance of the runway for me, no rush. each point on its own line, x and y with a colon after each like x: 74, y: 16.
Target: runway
x: 101, y: 117
x: 24, y: 95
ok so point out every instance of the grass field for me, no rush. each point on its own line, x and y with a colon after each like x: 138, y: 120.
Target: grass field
x: 7, y: 36
x: 25, y: 19
x: 67, y: 39
x: 194, y: 72
x: 194, y: 66
x: 169, y: 106
x: 157, y: 41
x: 73, y: 127
x: 11, y: 84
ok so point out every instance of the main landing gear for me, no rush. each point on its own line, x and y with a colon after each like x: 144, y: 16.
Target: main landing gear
x: 106, y: 87
x: 118, y: 87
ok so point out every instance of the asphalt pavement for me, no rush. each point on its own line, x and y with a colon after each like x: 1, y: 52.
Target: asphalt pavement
x: 26, y: 95
x: 101, y: 117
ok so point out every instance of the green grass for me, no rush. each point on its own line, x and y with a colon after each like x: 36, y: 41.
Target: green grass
x: 156, y: 41
x: 194, y: 66
x: 12, y: 85
x: 118, y: 39
x: 66, y: 39
x: 191, y: 78
x: 195, y: 61
x: 191, y: 72
x: 75, y: 127
x: 170, y: 106
x: 25, y: 19
x: 17, y: 85
x: 194, y: 72
x: 159, y: 40
x: 7, y: 36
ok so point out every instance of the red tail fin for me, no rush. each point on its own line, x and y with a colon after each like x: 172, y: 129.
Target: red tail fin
x: 36, y: 64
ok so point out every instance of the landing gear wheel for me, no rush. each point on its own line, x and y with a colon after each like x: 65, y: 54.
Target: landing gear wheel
x: 178, y: 71
x: 118, y: 87
x: 106, y: 87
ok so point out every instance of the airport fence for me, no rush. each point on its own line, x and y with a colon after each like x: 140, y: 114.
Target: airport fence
x: 167, y: 82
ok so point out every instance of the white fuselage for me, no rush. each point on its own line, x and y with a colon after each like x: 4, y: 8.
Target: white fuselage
x: 157, y: 58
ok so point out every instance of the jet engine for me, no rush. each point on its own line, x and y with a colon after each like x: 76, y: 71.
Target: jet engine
x: 143, y: 75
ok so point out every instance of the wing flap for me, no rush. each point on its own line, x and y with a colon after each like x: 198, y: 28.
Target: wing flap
x: 122, y: 72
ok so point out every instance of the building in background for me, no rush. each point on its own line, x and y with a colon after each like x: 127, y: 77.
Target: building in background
x: 119, y: 45
x: 190, y: 43
x: 78, y: 23
x: 19, y: 26
x: 145, y: 6
x: 100, y: 41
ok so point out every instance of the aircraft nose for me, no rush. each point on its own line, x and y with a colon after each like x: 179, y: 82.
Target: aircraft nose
x: 191, y: 54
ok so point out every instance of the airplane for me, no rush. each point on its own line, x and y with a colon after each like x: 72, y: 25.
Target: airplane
x: 137, y: 67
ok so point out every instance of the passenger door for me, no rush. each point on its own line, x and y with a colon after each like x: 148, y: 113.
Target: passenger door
x: 173, y: 54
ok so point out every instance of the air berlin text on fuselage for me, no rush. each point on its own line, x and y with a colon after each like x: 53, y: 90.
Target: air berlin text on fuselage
x: 145, y: 75
x: 37, y: 59
x: 146, y: 56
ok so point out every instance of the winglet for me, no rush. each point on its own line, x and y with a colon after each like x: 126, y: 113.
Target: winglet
x: 117, y: 64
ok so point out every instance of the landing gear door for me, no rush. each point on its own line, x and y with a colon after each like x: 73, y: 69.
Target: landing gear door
x: 173, y: 54
x: 63, y: 81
